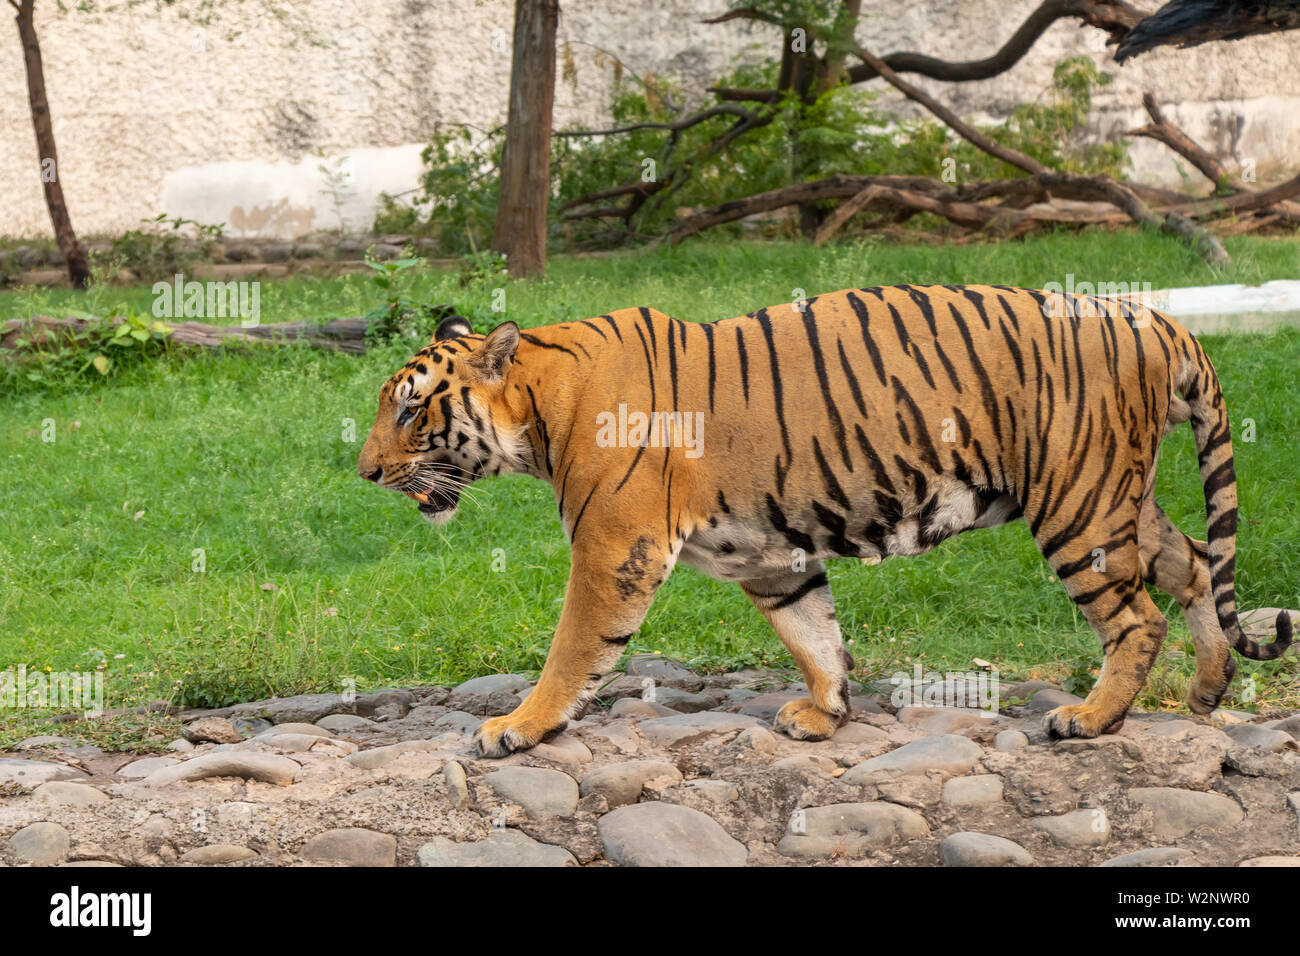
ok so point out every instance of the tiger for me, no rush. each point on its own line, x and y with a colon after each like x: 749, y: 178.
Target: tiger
x: 866, y: 423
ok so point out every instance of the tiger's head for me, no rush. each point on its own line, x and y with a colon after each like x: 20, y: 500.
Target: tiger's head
x: 443, y: 421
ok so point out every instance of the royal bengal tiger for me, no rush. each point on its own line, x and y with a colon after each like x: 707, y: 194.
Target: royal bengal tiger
x: 865, y: 423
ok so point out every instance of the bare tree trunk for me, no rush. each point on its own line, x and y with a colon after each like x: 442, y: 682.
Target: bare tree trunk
x: 526, y: 160
x: 73, y: 255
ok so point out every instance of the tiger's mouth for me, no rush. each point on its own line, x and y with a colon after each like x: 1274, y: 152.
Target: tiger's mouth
x: 437, y: 504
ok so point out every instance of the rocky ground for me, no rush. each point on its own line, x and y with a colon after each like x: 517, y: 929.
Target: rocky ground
x: 694, y: 777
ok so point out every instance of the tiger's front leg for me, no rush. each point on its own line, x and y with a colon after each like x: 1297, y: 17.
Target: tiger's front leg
x: 611, y: 584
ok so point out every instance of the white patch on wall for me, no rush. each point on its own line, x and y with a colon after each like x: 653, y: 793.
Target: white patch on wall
x: 285, y: 200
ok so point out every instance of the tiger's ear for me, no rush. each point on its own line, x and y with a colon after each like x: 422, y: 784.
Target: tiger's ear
x: 493, y: 357
x: 452, y: 327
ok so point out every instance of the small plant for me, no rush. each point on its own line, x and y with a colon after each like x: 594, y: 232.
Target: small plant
x: 65, y: 357
x: 399, y: 316
x: 1082, y: 676
x: 157, y: 252
x: 486, y: 268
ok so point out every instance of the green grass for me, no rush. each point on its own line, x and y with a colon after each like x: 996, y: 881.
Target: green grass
x: 717, y: 279
x: 313, y: 578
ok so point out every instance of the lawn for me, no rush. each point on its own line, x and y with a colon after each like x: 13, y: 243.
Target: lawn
x: 198, y: 531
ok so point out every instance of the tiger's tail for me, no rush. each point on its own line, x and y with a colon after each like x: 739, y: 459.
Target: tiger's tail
x: 1209, y: 418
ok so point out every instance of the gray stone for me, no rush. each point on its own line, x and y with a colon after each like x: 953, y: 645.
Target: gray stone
x: 684, y: 701
x: 1261, y: 738
x: 982, y: 849
x: 180, y: 745
x: 276, y: 251
x: 1049, y: 699
x: 1008, y: 741
x: 378, y: 757
x: 215, y: 730
x: 854, y: 734
x: 849, y: 829
x: 637, y: 708
x: 1178, y: 812
x: 945, y: 720
x: 48, y: 741
x: 68, y: 794
x: 1271, y: 861
x: 499, y: 848
x: 458, y: 722
x: 1025, y: 690
x: 251, y: 726
x: 1289, y: 725
x: 715, y: 791
x: 562, y: 748
x: 949, y: 753
x: 457, y: 786
x: 977, y: 791
x: 33, y: 773
x: 295, y: 727
x: 664, y: 834
x: 1155, y: 856
x: 622, y: 783
x: 352, y: 846
x: 685, y: 729
x: 766, y: 706
x: 141, y: 768
x: 339, y: 723
x: 268, y: 768
x: 664, y: 671
x: 490, y: 683
x: 758, y: 739
x: 813, y: 763
x: 541, y: 792
x: 1078, y: 828
x: 217, y: 853
x: 41, y: 844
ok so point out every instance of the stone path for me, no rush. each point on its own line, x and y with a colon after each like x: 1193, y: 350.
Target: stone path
x: 390, y: 779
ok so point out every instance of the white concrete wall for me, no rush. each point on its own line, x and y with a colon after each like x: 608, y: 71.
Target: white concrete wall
x: 230, y: 123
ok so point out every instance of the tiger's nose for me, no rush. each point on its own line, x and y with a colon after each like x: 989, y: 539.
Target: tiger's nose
x: 373, y: 475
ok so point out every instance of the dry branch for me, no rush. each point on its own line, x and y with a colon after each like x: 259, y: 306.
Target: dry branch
x: 1084, y: 187
x: 343, y: 335
x: 1163, y: 131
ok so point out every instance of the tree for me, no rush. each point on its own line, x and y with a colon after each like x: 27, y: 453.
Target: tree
x: 73, y: 253
x: 520, y: 231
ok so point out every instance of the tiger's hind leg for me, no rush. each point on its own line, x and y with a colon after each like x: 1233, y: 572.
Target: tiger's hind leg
x: 1179, y: 566
x: 798, y: 606
x: 1105, y: 583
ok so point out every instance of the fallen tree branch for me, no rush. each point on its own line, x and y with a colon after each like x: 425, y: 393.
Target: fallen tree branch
x: 343, y: 335
x: 1241, y: 202
x: 1163, y: 131
x: 834, y: 187
x: 1203, y: 241
x: 1085, y: 187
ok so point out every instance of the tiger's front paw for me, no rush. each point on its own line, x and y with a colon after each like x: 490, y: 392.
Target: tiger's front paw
x: 502, y: 736
x: 803, y: 720
x: 1079, y: 720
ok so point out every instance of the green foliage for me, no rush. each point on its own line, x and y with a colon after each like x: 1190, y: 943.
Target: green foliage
x: 64, y: 359
x: 1082, y: 675
x: 840, y: 131
x: 399, y: 316
x: 158, y: 252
